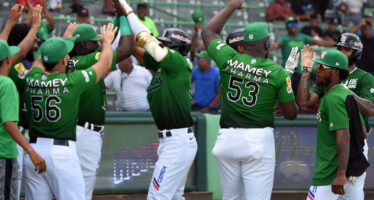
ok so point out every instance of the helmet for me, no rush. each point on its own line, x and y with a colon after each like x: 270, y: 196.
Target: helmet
x: 235, y: 38
x: 176, y: 38
x: 351, y: 40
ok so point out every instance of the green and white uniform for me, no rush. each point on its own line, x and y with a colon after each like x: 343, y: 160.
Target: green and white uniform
x: 170, y: 103
x: 169, y: 92
x: 53, y: 101
x: 245, y: 148
x: 91, y: 118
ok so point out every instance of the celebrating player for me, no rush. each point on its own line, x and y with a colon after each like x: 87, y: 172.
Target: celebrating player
x: 250, y: 84
x: 52, y: 98
x: 340, y: 132
x: 92, y: 103
x: 358, y: 81
x: 170, y: 103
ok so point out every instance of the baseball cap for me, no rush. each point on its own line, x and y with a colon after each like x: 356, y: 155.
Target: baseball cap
x: 290, y: 19
x: 55, y: 49
x: 235, y: 37
x: 334, y: 21
x: 6, y: 50
x: 203, y: 54
x: 333, y: 58
x: 256, y: 31
x: 83, y: 12
x: 86, y: 32
x: 198, y: 16
x: 42, y: 34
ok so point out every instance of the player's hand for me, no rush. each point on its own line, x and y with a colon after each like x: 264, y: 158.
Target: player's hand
x: 307, y: 54
x: 38, y: 162
x: 108, y: 33
x: 69, y: 32
x: 126, y: 6
x: 337, y: 186
x: 120, y: 10
x: 292, y: 61
x: 36, y: 16
x: 237, y: 4
x: 16, y: 12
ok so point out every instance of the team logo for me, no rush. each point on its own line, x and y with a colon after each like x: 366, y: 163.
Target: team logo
x: 250, y: 36
x: 22, y: 74
x: 289, y: 89
x: 45, y: 58
x: 331, y: 124
x: 337, y: 64
x: 20, y: 67
x: 97, y: 56
x: 219, y: 46
x: 288, y: 81
x: 319, y: 119
x: 180, y: 37
x: 44, y: 77
x: 323, y: 54
x: 372, y: 90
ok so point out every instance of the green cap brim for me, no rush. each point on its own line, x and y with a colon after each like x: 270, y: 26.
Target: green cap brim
x: 13, y: 50
x: 69, y: 42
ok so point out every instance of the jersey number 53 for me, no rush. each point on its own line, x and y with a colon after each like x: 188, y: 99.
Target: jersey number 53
x: 236, y: 85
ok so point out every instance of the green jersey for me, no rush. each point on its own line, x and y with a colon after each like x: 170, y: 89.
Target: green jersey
x: 17, y: 73
x: 332, y: 115
x: 9, y: 103
x: 248, y: 87
x: 287, y: 42
x: 52, y: 101
x: 360, y: 82
x: 92, y: 103
x: 169, y: 94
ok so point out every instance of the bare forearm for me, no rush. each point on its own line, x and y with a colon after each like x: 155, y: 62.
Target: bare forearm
x: 124, y: 48
x: 365, y: 106
x: 303, y: 93
x: 7, y: 28
x: 342, y: 148
x: 105, y: 61
x: 14, y: 132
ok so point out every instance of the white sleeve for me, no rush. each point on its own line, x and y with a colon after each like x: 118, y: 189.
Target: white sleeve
x: 116, y: 42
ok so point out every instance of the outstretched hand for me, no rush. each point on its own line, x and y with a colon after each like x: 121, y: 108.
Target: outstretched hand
x: 16, y: 12
x: 108, y: 33
x: 293, y: 60
x: 238, y: 4
x: 36, y: 16
x: 69, y: 32
x: 307, y: 54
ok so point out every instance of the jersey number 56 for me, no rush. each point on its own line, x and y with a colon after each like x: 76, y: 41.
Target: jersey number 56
x: 51, y: 111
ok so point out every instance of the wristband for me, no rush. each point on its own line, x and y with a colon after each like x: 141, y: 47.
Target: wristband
x: 306, y: 69
x: 115, y: 22
x: 124, y: 26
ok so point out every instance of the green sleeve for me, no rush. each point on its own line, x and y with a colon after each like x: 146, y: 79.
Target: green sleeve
x: 9, y: 102
x: 367, y: 87
x: 319, y: 90
x: 280, y: 39
x: 83, y: 78
x: 149, y: 62
x: 114, y: 61
x: 285, y: 93
x: 220, y: 52
x: 307, y: 39
x: 17, y: 73
x: 337, y: 113
x: 174, y: 62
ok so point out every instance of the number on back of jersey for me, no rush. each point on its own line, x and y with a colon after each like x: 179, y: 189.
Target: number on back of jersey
x: 236, y: 93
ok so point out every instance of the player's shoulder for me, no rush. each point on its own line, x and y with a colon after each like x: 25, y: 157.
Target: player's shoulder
x: 363, y: 73
x: 5, y: 81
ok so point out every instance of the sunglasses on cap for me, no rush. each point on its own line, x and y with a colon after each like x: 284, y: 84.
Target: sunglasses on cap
x: 292, y: 24
x: 322, y: 67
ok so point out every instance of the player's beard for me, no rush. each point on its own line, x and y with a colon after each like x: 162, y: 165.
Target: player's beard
x: 325, y: 82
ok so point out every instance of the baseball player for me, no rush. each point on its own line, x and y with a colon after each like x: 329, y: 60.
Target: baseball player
x: 9, y: 132
x: 235, y: 38
x: 92, y: 103
x: 340, y: 132
x: 358, y: 81
x: 250, y: 84
x: 170, y: 103
x: 52, y: 98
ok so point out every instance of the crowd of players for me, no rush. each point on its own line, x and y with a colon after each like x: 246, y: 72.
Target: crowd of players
x: 54, y: 88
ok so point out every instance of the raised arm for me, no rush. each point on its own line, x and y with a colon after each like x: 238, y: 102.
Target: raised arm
x: 342, y: 147
x: 124, y: 46
x: 215, y: 25
x: 105, y: 61
x: 14, y: 14
x: 48, y: 15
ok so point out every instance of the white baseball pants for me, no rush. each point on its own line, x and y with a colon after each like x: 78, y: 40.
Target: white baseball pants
x: 89, y: 145
x: 246, y: 161
x: 20, y: 168
x: 175, y: 157
x: 352, y: 192
x: 63, y: 177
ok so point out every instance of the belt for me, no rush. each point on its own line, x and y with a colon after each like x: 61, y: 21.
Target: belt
x: 168, y: 133
x: 55, y: 141
x: 90, y: 126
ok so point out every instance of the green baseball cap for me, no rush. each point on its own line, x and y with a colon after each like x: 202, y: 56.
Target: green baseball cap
x: 54, y: 49
x: 256, y: 31
x: 290, y: 19
x: 42, y: 34
x: 86, y: 32
x: 203, y: 54
x: 6, y: 50
x: 333, y: 58
x: 198, y: 16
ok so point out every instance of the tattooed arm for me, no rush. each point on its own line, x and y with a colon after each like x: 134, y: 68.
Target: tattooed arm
x: 342, y: 147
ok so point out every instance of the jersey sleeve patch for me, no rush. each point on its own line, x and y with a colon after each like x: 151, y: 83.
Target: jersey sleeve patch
x: 20, y: 67
x: 97, y: 56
